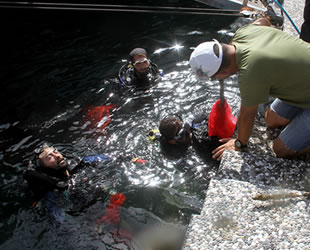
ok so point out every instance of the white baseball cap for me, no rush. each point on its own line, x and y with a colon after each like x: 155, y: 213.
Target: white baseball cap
x: 204, y: 62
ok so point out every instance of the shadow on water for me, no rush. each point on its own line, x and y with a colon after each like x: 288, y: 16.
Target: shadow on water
x: 56, y: 64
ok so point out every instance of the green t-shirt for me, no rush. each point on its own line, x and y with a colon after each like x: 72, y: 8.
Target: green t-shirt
x: 272, y: 63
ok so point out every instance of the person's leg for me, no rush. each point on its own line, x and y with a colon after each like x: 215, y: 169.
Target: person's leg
x: 273, y: 120
x: 282, y: 151
x: 294, y: 140
x: 305, y: 28
x: 280, y: 114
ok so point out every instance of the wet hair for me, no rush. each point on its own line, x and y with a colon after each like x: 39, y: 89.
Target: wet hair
x: 136, y: 51
x: 169, y: 126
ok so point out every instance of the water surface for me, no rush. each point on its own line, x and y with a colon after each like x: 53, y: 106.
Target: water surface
x: 54, y: 65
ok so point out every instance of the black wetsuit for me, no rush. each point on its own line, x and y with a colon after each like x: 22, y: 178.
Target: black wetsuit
x: 203, y: 144
x: 128, y: 77
x: 63, y: 189
x: 42, y: 180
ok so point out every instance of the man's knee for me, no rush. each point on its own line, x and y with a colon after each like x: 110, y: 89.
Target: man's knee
x: 273, y: 120
x: 268, y: 118
x: 281, y: 150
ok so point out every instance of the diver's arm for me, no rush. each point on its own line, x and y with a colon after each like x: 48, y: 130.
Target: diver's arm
x: 39, y: 183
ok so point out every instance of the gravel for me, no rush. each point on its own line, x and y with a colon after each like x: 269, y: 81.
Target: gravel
x: 230, y: 218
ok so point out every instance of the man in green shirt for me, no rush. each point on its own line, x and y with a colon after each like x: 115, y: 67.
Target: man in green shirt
x: 269, y: 63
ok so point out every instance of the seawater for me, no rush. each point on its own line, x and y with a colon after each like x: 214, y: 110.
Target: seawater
x: 54, y: 67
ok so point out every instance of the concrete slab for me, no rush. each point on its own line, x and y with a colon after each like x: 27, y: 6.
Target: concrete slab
x: 264, y: 169
x: 231, y: 219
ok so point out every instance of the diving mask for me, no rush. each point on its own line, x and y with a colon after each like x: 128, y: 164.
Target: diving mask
x: 141, y: 61
x: 183, y: 134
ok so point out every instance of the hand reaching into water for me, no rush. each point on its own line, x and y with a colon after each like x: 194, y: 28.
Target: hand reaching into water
x: 229, y: 143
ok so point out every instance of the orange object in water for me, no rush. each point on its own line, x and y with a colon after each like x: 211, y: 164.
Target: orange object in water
x: 222, y: 122
x: 139, y: 160
x: 99, y: 116
x: 112, y: 213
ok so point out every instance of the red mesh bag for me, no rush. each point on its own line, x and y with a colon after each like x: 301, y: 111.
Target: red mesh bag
x: 222, y: 122
x: 99, y: 116
x: 113, y: 208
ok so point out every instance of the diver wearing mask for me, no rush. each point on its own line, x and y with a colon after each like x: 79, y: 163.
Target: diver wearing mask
x: 174, y: 131
x: 140, y: 72
x: 177, y: 136
x: 48, y: 171
x: 49, y: 177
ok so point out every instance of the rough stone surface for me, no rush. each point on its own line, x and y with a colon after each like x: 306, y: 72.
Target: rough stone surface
x: 230, y: 218
x: 295, y: 9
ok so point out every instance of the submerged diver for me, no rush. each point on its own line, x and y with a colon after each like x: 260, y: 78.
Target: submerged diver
x: 139, y: 72
x: 51, y: 176
x: 177, y: 135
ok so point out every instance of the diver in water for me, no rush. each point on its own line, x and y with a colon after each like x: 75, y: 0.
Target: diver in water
x: 139, y: 72
x: 177, y: 135
x: 51, y: 177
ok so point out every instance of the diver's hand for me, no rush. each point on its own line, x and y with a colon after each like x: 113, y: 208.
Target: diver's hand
x: 229, y: 143
x: 61, y: 185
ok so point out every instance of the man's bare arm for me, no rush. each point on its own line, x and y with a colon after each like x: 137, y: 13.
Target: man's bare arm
x: 246, y: 122
x: 245, y: 126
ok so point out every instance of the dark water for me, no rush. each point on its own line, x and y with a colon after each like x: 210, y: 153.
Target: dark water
x: 56, y: 64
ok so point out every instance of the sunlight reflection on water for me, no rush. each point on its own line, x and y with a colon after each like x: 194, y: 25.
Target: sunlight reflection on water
x: 78, y: 70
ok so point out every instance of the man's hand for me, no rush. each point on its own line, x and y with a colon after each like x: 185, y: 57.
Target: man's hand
x: 229, y: 143
x: 245, y: 125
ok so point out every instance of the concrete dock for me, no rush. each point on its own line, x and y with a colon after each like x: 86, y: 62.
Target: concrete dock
x: 230, y: 217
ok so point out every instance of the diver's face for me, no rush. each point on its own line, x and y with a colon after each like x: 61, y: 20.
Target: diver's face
x: 141, y: 63
x: 51, y: 158
x: 182, y: 134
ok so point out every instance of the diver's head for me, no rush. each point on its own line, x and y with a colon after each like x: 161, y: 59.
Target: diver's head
x: 138, y: 58
x: 174, y: 130
x: 49, y: 157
